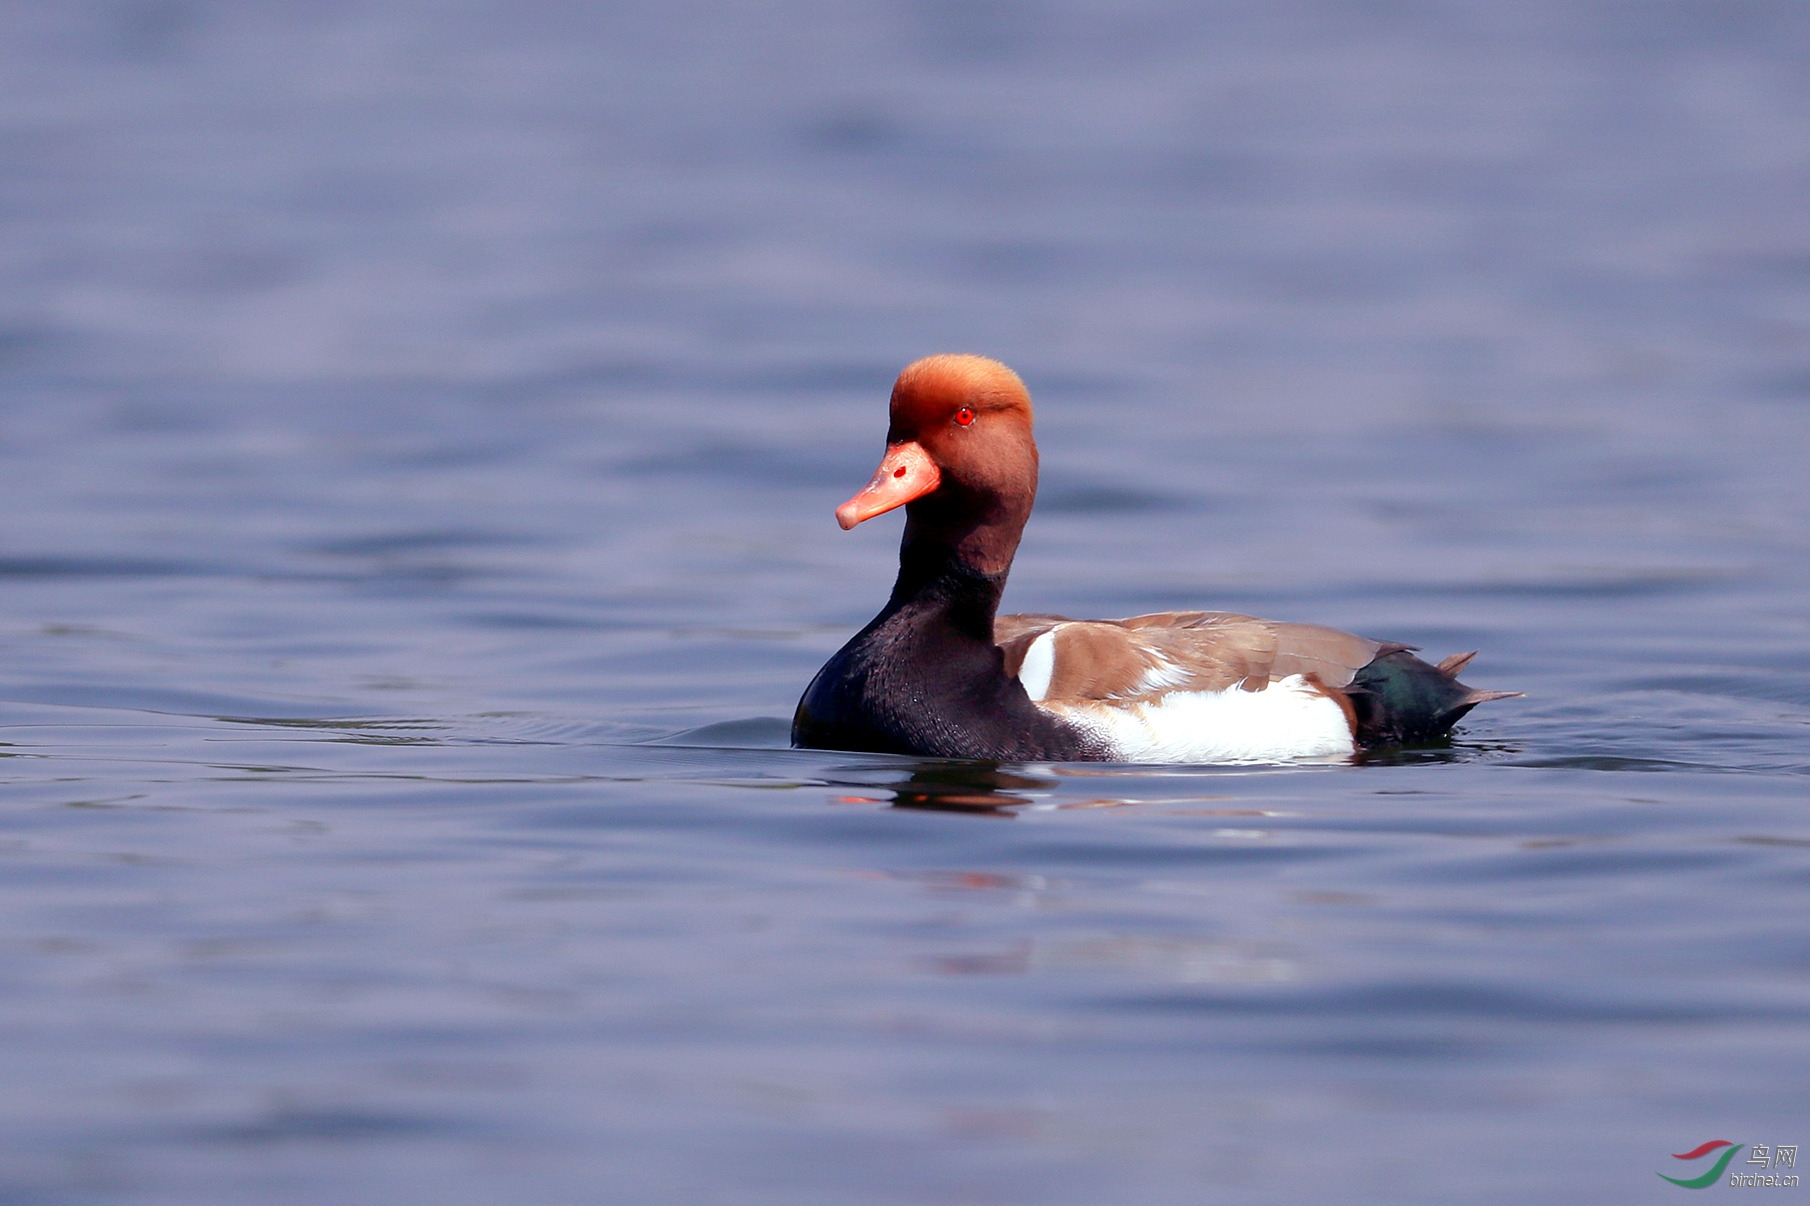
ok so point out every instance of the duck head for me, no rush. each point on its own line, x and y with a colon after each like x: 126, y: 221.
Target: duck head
x: 959, y: 458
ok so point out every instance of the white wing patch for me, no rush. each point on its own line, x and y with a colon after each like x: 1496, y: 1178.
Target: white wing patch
x: 1289, y: 719
x: 1039, y: 666
x: 1161, y: 677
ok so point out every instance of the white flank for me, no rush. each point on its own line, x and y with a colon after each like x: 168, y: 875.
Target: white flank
x: 1039, y: 666
x: 1287, y: 720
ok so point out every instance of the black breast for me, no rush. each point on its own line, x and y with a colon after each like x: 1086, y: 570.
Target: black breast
x: 909, y: 683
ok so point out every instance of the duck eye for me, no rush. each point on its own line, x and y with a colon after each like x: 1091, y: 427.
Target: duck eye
x: 964, y: 416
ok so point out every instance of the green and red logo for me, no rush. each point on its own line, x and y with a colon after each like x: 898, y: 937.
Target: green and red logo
x: 1764, y: 1157
x: 1709, y: 1178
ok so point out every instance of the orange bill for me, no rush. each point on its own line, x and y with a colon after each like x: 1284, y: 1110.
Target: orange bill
x: 906, y: 472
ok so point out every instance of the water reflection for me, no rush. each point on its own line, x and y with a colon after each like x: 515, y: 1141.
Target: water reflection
x: 980, y: 788
x: 988, y: 789
x: 1437, y: 750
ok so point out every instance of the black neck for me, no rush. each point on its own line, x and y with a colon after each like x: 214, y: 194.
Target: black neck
x: 924, y: 677
x: 933, y: 577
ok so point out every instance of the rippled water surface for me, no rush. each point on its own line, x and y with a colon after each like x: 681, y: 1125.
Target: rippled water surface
x: 419, y: 427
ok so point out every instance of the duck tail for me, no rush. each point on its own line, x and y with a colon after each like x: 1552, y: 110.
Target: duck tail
x: 1399, y: 699
x: 1453, y: 666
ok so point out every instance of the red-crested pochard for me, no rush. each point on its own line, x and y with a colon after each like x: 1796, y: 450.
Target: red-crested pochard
x: 938, y: 673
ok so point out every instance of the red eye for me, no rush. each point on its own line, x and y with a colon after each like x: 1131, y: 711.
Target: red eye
x: 964, y: 416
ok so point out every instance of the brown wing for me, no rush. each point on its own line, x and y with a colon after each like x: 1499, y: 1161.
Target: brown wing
x: 1332, y: 656
x: 1140, y: 658
x: 1143, y: 657
x: 1008, y: 629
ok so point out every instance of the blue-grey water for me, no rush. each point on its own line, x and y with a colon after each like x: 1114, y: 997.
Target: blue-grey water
x: 419, y: 427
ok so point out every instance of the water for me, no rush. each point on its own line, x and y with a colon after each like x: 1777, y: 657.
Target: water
x: 419, y: 427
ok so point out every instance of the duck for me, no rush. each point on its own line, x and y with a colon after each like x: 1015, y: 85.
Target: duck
x: 939, y: 673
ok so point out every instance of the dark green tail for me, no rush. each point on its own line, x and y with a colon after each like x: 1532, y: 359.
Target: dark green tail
x: 1400, y: 699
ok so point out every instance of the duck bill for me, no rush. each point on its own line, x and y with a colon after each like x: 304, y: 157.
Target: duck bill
x: 905, y: 473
